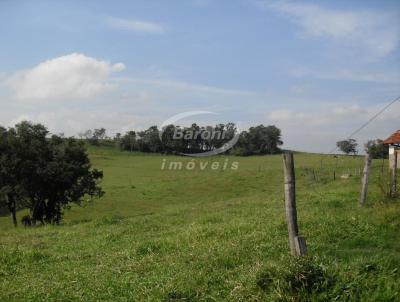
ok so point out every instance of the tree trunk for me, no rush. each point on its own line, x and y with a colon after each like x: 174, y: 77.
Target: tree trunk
x: 12, y: 207
x: 14, y: 217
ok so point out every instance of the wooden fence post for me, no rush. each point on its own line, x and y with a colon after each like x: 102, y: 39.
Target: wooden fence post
x: 365, y: 179
x: 297, y: 243
x: 393, y: 174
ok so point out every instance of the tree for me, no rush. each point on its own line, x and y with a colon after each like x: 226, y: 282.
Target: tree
x: 99, y: 134
x: 96, y: 136
x: 259, y: 140
x: 377, y: 149
x: 170, y: 145
x: 149, y: 140
x: 45, y: 174
x: 128, y: 141
x: 348, y: 146
x: 6, y: 201
x: 9, y: 182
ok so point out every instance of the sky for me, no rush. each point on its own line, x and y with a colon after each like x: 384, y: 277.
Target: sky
x: 316, y: 69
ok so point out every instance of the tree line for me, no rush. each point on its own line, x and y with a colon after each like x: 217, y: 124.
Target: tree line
x: 171, y: 139
x: 259, y: 140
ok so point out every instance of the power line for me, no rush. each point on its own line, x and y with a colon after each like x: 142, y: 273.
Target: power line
x: 369, y: 121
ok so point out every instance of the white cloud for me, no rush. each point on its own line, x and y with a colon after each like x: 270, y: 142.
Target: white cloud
x: 71, y: 122
x: 74, y: 76
x: 135, y: 25
x: 194, y: 88
x: 377, y: 33
x: 332, y: 115
x: 348, y: 75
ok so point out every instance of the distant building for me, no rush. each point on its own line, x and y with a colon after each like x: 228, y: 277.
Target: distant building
x: 394, y: 146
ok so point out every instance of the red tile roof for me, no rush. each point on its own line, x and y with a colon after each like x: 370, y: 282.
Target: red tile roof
x: 393, y: 139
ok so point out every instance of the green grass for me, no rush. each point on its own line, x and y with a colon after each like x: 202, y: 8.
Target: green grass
x: 210, y: 236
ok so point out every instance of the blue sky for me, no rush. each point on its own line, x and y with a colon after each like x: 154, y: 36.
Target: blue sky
x: 315, y: 69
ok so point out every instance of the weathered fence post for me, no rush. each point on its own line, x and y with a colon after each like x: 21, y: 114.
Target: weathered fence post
x: 365, y: 179
x: 393, y: 180
x: 297, y: 243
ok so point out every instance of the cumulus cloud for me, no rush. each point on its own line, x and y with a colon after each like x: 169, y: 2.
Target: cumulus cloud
x: 135, y: 25
x: 74, y: 76
x: 376, y: 32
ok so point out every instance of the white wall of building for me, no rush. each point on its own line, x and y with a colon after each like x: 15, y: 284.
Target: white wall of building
x: 392, y: 150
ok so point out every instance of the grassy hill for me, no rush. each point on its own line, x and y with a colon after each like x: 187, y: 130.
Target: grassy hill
x: 210, y: 235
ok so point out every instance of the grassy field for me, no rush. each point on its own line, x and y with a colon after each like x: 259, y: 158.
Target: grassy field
x: 210, y: 235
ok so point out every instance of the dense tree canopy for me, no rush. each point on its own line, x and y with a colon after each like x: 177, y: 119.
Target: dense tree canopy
x: 195, y: 139
x: 44, y: 174
x: 377, y: 149
x: 348, y: 146
x: 260, y: 140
